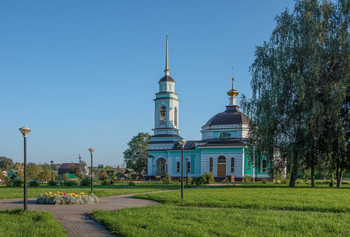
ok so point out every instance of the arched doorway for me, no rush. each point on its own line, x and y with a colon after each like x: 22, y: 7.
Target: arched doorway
x: 161, y: 167
x: 221, y: 170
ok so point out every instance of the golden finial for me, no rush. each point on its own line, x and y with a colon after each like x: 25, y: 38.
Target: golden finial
x: 233, y: 93
x: 166, y: 55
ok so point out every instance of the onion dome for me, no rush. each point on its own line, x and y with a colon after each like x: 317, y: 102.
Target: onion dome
x: 229, y: 117
x: 166, y: 78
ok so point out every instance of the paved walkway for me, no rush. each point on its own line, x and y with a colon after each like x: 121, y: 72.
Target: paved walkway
x: 75, y: 218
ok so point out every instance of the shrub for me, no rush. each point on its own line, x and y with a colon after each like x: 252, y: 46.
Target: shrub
x: 299, y: 181
x: 284, y: 181
x: 52, y: 183
x: 226, y: 180
x: 264, y: 181
x: 139, y: 178
x: 71, y: 183
x: 17, y: 182
x: 85, y: 182
x: 189, y: 180
x: 131, y: 183
x: 133, y: 176
x: 65, y: 177
x: 167, y: 179
x: 34, y: 183
x: 197, y: 181
x: 247, y: 178
x: 7, y: 181
x: 208, y: 178
x: 105, y: 182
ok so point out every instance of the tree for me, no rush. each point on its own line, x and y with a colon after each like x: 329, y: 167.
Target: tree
x: 135, y: 156
x: 45, y: 174
x: 6, y: 163
x: 33, y: 170
x: 299, y: 87
x: 73, y: 168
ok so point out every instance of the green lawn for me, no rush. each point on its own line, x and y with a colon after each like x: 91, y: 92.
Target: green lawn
x: 29, y: 223
x: 170, y: 220
x: 99, y: 190
x: 260, y: 197
x: 245, y: 210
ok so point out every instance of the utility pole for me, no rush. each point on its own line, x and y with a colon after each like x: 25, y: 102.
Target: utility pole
x: 51, y: 170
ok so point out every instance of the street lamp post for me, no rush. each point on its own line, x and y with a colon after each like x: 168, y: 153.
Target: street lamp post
x: 91, y: 173
x: 186, y: 171
x: 25, y: 131
x: 51, y: 170
x: 182, y: 143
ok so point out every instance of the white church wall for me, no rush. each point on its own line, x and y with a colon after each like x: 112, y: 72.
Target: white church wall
x: 207, y: 153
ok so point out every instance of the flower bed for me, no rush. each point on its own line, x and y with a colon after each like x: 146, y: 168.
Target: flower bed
x: 67, y: 198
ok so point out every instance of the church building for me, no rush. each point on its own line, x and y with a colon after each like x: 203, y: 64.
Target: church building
x: 222, y: 150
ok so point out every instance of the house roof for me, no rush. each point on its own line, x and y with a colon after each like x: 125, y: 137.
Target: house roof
x: 225, y: 142
x: 66, y: 165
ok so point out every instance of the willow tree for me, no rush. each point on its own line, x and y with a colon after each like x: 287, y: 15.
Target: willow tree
x: 298, y: 85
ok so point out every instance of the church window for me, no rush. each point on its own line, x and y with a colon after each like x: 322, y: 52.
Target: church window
x: 178, y: 167
x: 264, y: 166
x: 225, y: 135
x: 232, y: 165
x: 162, y: 115
x: 221, y: 159
x: 175, y: 117
x: 188, y: 167
x: 211, y: 164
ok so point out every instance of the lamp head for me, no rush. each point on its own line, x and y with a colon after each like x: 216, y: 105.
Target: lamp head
x: 25, y: 131
x: 182, y: 143
x: 91, y: 149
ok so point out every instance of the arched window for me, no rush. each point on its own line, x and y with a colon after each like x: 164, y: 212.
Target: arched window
x: 264, y: 166
x: 232, y: 165
x: 221, y: 159
x: 162, y: 115
x: 175, y: 117
x: 211, y: 164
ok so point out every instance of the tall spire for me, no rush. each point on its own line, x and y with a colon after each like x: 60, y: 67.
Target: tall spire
x: 233, y: 93
x: 166, y: 57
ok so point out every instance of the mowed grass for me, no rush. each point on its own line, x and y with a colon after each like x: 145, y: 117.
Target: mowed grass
x: 29, y: 223
x: 99, y: 190
x: 260, y: 197
x: 170, y: 220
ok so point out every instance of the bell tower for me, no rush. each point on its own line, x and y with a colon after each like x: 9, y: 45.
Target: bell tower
x: 166, y: 111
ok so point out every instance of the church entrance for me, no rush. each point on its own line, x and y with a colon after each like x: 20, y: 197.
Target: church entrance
x: 221, y: 168
x: 161, y: 167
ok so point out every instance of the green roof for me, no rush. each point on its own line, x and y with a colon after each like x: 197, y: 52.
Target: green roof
x: 72, y: 176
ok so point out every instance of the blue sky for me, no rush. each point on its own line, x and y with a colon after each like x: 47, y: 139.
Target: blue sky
x: 84, y: 73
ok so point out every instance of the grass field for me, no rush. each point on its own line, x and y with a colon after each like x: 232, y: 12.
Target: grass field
x: 170, y: 220
x: 246, y: 210
x: 99, y: 190
x: 29, y: 223
x: 260, y: 197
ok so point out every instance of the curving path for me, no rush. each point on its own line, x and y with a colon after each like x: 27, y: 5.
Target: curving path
x: 75, y: 218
